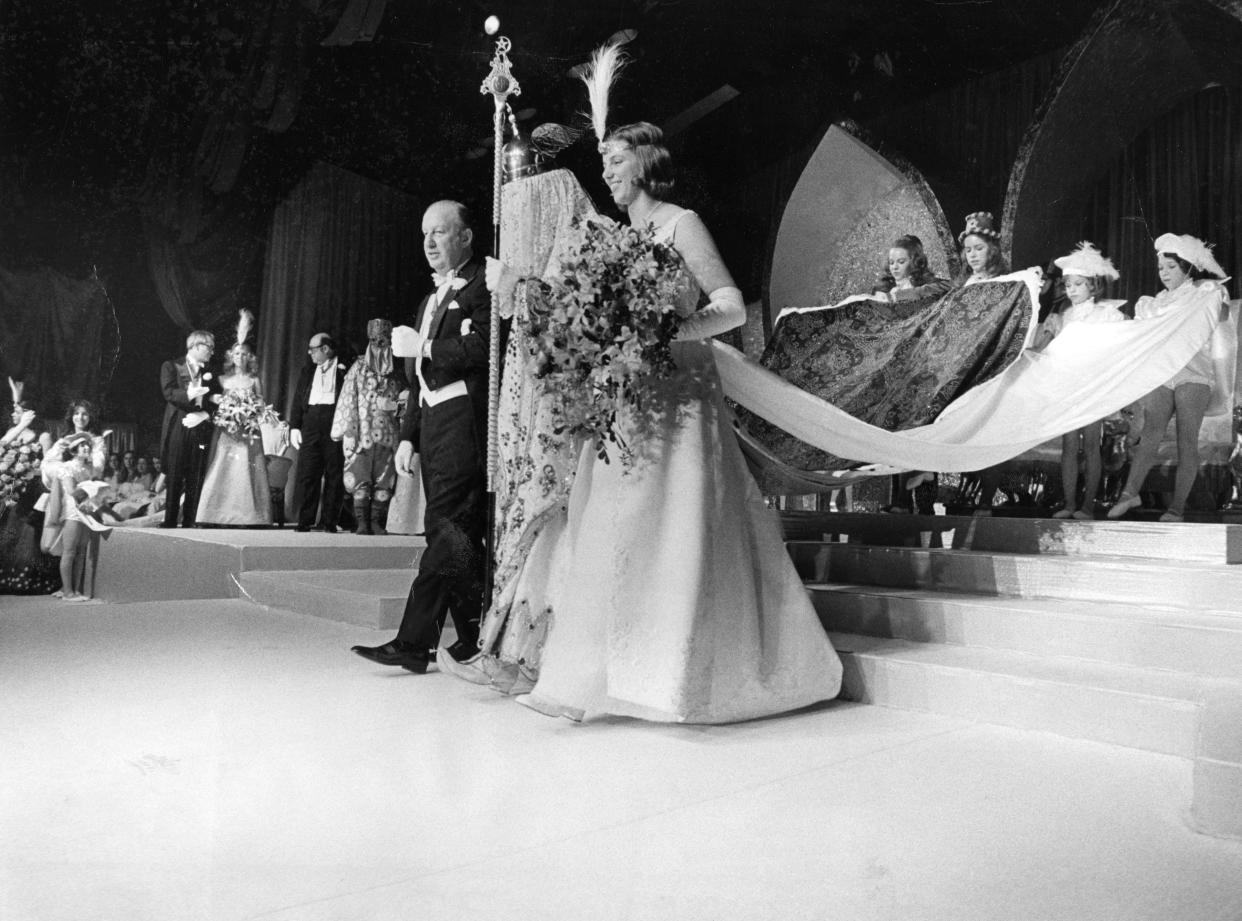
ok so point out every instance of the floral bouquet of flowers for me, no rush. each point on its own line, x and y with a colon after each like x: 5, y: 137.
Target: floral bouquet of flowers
x: 19, y: 463
x: 600, y: 334
x: 241, y: 412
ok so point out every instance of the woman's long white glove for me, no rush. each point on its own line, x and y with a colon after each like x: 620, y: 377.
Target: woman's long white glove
x: 723, y: 312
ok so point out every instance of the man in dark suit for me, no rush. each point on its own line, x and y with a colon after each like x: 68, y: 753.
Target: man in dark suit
x: 445, y: 423
x: 190, y: 390
x: 320, y: 459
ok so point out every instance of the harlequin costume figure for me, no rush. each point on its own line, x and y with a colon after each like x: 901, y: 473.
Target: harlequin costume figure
x: 367, y: 424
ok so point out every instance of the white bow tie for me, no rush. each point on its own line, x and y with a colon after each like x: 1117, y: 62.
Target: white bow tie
x: 451, y: 279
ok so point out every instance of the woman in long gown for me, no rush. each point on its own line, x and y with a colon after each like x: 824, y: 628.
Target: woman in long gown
x: 535, y: 466
x: 681, y: 604
x: 235, y: 490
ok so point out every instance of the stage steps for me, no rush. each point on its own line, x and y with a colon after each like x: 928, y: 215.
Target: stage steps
x: 1149, y: 636
x: 1117, y: 632
x: 1081, y: 577
x: 366, y: 597
x: 1209, y: 543
x: 285, y: 568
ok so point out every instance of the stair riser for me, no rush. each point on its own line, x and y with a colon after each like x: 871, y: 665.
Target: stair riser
x: 364, y: 611
x: 1018, y: 576
x: 1147, y: 723
x: 1216, y: 543
x: 1140, y: 642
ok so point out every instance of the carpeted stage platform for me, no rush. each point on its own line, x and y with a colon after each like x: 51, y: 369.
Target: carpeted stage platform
x: 153, y: 564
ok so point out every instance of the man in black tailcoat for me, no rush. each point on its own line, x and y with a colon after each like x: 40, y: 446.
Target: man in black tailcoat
x: 191, y: 391
x: 320, y: 459
x: 445, y: 424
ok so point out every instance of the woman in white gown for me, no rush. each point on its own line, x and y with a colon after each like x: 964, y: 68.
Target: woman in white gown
x: 235, y: 490
x: 681, y: 603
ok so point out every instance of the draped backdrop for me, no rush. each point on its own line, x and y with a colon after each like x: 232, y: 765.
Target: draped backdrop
x: 59, y: 335
x: 341, y: 250
x: 1183, y: 174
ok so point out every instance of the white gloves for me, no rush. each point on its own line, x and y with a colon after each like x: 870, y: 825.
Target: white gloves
x: 295, y: 439
x: 725, y: 311
x: 406, y: 342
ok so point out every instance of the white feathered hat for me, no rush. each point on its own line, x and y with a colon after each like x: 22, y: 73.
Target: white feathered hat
x: 1193, y: 250
x: 1088, y: 262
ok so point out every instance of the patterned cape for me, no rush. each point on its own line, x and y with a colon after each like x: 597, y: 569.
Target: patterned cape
x: 892, y: 365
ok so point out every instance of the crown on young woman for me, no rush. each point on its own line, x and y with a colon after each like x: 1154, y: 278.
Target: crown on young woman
x: 980, y: 224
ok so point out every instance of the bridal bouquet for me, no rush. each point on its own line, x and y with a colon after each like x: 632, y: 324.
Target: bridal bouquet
x: 241, y: 413
x: 601, y: 332
x: 19, y: 462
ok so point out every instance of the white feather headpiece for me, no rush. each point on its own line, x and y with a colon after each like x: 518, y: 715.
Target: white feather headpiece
x: 245, y: 323
x: 1088, y: 262
x: 606, y: 62
x: 1193, y: 250
x: 16, y: 389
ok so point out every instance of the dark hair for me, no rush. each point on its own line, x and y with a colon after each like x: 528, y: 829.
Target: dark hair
x: 90, y: 410
x: 996, y: 264
x: 464, y: 215
x: 1195, y: 273
x: 73, y: 444
x: 920, y: 271
x: 655, y: 163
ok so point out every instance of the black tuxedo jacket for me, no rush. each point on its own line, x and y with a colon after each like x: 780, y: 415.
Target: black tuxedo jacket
x: 174, y: 381
x: 455, y: 356
x: 301, y: 395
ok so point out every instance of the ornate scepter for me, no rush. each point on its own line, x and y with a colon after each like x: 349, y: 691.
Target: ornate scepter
x: 500, y: 84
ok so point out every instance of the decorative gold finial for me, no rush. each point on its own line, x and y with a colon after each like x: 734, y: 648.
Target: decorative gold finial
x: 500, y: 82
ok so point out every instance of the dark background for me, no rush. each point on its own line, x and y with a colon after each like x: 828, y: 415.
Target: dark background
x: 130, y: 122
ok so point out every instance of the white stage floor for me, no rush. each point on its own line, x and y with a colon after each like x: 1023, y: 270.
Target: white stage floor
x: 216, y: 760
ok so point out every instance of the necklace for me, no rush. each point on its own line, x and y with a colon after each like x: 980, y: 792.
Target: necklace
x: 646, y: 218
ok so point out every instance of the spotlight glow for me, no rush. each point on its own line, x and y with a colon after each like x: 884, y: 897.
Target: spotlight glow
x: 491, y: 25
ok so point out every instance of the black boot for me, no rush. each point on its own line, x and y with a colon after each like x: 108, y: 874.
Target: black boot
x: 362, y: 512
x: 379, y: 516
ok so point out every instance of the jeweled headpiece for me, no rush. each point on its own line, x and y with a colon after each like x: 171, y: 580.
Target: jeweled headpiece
x: 980, y: 224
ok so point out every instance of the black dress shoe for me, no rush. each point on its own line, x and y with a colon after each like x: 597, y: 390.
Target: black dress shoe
x: 405, y: 655
x: 302, y: 528
x: 330, y: 529
x: 463, y: 652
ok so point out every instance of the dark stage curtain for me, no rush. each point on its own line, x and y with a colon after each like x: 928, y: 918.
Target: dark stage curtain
x: 965, y: 139
x: 204, y: 253
x: 57, y: 334
x: 342, y: 250
x: 1182, y: 175
x: 213, y: 168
